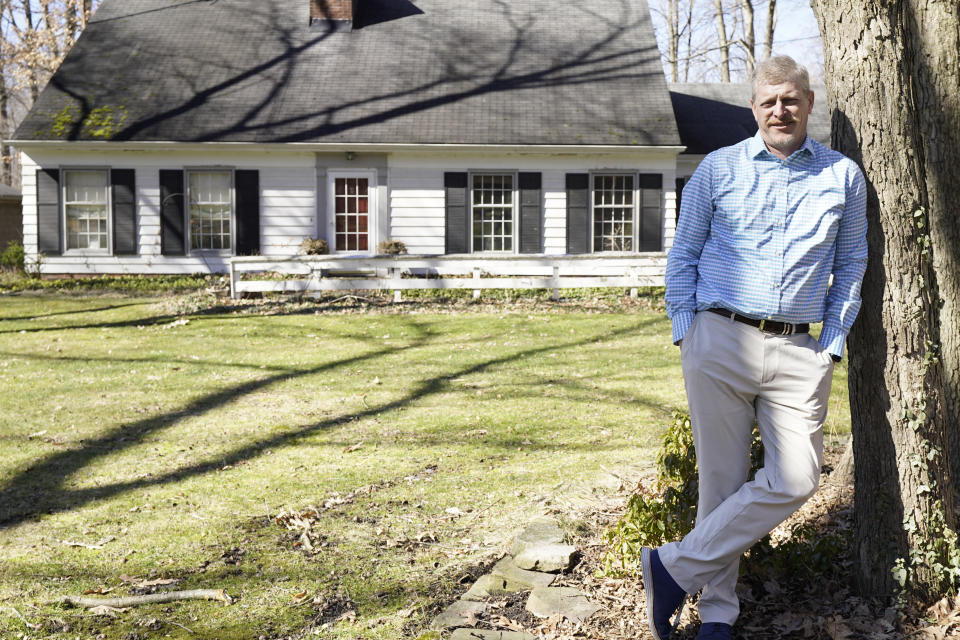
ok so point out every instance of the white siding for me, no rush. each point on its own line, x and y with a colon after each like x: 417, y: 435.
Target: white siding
x: 288, y: 200
x: 417, y: 208
x: 417, y: 196
x: 28, y: 189
x: 287, y: 206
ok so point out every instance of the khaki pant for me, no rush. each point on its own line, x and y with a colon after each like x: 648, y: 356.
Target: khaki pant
x: 734, y: 373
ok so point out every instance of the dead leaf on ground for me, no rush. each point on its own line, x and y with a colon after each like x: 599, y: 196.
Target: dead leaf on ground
x: 104, y: 610
x: 353, y: 447
x: 96, y: 545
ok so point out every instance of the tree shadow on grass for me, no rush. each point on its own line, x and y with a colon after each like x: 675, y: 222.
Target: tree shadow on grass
x: 40, y: 488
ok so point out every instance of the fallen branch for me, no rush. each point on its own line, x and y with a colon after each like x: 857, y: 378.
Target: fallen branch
x: 150, y: 598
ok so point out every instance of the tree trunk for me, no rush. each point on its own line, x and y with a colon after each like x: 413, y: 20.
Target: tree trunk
x: 673, y: 31
x: 6, y: 126
x: 771, y: 27
x: 724, y: 42
x: 49, y: 23
x: 749, y: 35
x: 892, y: 77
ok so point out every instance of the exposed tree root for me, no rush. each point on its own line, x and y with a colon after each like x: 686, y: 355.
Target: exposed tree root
x: 150, y: 598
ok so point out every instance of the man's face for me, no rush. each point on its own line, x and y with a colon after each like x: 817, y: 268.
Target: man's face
x: 781, y: 112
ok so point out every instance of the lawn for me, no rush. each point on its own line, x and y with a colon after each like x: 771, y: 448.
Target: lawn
x: 166, y: 440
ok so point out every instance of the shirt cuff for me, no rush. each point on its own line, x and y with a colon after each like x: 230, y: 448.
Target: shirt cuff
x: 833, y: 340
x: 681, y: 322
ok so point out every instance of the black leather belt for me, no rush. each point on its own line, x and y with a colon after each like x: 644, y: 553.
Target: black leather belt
x: 769, y: 326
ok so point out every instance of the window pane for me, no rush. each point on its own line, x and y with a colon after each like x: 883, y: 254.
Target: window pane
x: 85, y: 207
x: 492, y: 212
x: 613, y: 213
x: 210, y: 209
x: 351, y: 214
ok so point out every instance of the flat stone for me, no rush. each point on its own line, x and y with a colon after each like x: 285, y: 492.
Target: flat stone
x: 566, y: 601
x: 540, y: 531
x: 477, y: 634
x: 458, y: 614
x: 492, y: 585
x: 509, y: 570
x: 548, y: 558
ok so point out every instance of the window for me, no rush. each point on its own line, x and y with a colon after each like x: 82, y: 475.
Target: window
x: 351, y: 207
x: 86, y: 209
x: 492, y: 212
x: 613, y: 213
x: 627, y: 212
x: 210, y: 212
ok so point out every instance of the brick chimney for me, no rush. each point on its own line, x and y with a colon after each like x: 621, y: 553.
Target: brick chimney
x: 336, y: 13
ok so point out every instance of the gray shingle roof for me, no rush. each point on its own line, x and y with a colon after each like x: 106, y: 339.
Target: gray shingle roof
x: 539, y: 72
x: 714, y: 115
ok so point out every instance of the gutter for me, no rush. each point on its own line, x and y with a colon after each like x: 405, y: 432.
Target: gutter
x: 367, y: 147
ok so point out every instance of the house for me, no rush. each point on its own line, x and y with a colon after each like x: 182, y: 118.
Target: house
x: 11, y: 218
x: 178, y: 134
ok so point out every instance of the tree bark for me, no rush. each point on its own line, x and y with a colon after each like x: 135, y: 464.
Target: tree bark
x: 723, y: 40
x: 892, y: 80
x: 749, y: 35
x: 673, y: 31
x: 771, y: 27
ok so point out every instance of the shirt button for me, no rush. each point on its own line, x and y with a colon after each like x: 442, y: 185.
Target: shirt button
x: 775, y: 285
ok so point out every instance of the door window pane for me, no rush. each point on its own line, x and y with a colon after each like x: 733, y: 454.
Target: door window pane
x: 351, y: 205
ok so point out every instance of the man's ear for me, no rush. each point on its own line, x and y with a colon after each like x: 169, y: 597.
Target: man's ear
x: 811, y: 101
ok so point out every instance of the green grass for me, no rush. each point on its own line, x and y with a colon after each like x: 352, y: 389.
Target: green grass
x: 178, y: 431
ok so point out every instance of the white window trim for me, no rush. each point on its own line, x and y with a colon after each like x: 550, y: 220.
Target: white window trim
x: 373, y: 211
x: 514, y: 216
x: 63, y: 212
x: 188, y: 239
x: 634, y: 239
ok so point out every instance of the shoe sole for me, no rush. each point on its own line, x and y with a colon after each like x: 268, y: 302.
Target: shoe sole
x: 646, y: 571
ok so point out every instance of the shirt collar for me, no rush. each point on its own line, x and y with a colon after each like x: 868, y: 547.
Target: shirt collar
x: 757, y: 146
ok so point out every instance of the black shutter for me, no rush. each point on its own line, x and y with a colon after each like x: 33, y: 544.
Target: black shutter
x: 531, y: 212
x: 247, y: 185
x: 680, y: 184
x: 123, y: 184
x: 651, y: 212
x: 48, y: 212
x: 172, y: 237
x: 457, y: 213
x: 578, y: 213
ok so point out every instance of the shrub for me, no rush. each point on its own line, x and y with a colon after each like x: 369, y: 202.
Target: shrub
x: 14, y: 257
x: 314, y: 247
x: 667, y: 511
x: 391, y: 247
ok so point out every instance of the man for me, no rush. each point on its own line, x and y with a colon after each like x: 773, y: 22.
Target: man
x: 763, y: 226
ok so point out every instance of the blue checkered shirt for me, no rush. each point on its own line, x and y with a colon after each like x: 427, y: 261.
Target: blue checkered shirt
x: 761, y: 236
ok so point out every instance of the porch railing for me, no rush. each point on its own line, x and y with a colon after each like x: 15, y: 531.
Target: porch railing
x: 310, y: 274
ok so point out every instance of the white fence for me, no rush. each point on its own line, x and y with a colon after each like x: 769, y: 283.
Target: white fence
x: 306, y: 274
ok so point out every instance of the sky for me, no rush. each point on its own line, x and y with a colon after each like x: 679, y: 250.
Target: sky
x: 796, y: 34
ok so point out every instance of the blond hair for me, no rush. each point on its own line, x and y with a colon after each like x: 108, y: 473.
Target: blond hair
x: 780, y: 69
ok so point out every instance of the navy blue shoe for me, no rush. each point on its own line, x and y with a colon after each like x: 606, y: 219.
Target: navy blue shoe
x: 664, y: 596
x: 714, y: 631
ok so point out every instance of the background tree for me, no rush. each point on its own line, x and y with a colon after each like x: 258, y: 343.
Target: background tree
x: 34, y: 37
x: 893, y: 79
x: 717, y: 40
